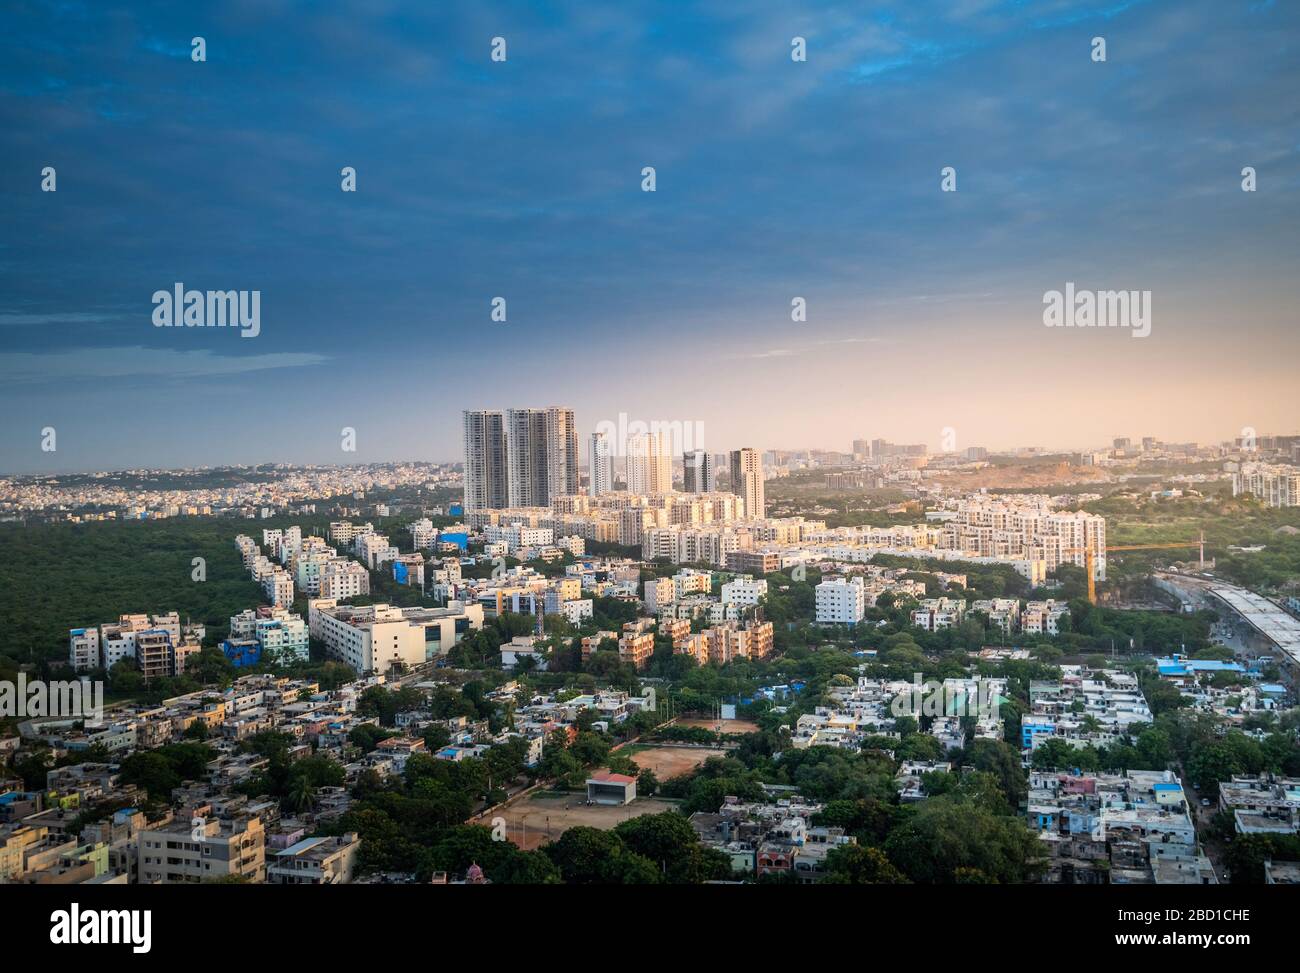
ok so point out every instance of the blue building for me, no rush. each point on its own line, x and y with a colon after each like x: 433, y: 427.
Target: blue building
x: 1179, y: 666
x: 242, y: 652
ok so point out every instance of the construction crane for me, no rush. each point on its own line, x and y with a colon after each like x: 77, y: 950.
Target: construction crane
x: 1090, y: 556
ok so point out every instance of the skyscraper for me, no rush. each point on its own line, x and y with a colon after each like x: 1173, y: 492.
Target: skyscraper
x: 697, y: 471
x: 747, y: 480
x: 600, y: 462
x: 649, y: 464
x: 541, y: 455
x: 485, y: 460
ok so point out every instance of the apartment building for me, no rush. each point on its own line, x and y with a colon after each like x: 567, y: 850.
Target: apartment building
x: 752, y: 562
x: 374, y: 550
x: 199, y: 846
x: 636, y: 644
x: 1042, y: 617
x: 840, y: 601
x: 747, y: 481
x: 277, y: 588
x: 159, y: 645
x: 486, y: 479
x: 649, y: 464
x: 83, y: 648
x: 343, y: 579
x: 1275, y: 485
x: 315, y: 861
x: 744, y: 591
x: 659, y: 593
x: 372, y: 638
x: 600, y: 464
x: 541, y: 455
x: 697, y: 471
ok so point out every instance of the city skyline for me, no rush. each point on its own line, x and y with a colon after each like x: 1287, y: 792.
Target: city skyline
x: 776, y: 180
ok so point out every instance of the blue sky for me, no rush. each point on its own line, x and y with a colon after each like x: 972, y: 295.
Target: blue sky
x: 522, y: 179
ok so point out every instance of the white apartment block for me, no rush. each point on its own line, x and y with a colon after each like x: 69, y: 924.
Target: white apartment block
x: 649, y: 464
x: 1040, y: 617
x: 744, y: 591
x: 600, y: 464
x: 373, y: 638
x: 1003, y: 613
x: 277, y: 588
x: 747, y: 481
x: 424, y: 536
x: 1276, y: 486
x: 841, y: 601
x: 573, y: 544
x: 516, y: 536
x: 374, y: 550
x: 937, y: 613
x: 83, y: 648
x: 659, y: 592
x: 343, y: 579
x: 577, y: 610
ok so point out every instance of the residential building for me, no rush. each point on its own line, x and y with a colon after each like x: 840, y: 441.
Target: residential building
x: 486, y: 481
x: 600, y: 464
x: 316, y: 861
x: 840, y: 601
x: 697, y: 472
x: 747, y: 481
x: 541, y: 455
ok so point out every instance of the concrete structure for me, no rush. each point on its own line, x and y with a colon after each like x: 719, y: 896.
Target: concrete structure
x: 199, y: 845
x: 541, y: 455
x: 747, y: 481
x: 316, y: 861
x: 486, y: 483
x: 600, y: 464
x: 840, y: 601
x: 604, y: 787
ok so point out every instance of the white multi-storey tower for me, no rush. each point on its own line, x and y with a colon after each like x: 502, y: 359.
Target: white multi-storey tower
x: 697, y: 471
x: 649, y: 464
x: 747, y: 480
x: 541, y: 456
x: 600, y: 461
x: 486, y: 484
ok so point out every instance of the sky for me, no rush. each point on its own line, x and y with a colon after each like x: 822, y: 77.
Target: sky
x: 522, y: 179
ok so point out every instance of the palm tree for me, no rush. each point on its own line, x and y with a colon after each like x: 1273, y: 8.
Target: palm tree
x: 302, y: 795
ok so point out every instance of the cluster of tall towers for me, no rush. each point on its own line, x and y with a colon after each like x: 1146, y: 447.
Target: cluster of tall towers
x: 519, y: 457
x: 527, y: 457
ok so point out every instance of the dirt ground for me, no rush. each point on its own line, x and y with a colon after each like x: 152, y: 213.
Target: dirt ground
x: 669, y: 762
x: 728, y: 726
x: 544, y: 816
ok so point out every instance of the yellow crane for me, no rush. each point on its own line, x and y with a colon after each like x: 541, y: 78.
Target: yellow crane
x: 1090, y: 556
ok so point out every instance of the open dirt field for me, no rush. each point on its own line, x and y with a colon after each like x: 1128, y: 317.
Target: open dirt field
x: 727, y: 726
x: 669, y: 762
x: 544, y: 816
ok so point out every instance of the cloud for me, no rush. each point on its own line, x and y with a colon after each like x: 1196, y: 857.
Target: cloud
x: 25, y: 319
x: 109, y: 363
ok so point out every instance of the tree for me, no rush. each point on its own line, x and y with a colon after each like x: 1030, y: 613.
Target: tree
x: 947, y: 834
x: 859, y: 865
x: 301, y: 795
x: 151, y: 771
x: 583, y: 854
